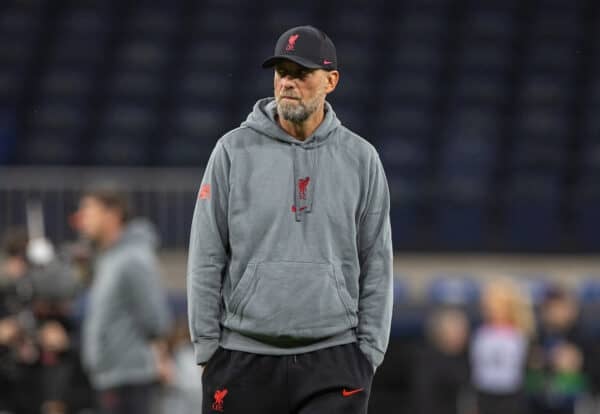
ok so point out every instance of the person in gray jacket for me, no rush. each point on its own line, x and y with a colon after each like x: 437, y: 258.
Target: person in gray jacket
x: 290, y: 259
x: 127, y: 314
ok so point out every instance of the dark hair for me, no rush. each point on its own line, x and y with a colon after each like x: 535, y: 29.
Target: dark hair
x: 14, y: 242
x: 112, y: 199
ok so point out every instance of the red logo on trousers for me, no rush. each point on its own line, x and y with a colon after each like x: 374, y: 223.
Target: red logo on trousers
x: 217, y: 405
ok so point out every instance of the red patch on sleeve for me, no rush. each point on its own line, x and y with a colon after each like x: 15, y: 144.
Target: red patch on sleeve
x: 204, y: 193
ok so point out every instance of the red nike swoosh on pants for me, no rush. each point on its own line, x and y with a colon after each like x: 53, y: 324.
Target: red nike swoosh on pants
x: 348, y: 393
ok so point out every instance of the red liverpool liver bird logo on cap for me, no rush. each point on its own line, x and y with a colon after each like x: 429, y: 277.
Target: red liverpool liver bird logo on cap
x: 292, y: 42
x: 219, y: 397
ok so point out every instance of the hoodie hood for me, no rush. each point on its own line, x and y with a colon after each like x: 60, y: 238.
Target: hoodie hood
x: 140, y: 231
x: 263, y: 120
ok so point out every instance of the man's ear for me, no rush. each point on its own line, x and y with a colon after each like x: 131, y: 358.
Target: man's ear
x: 333, y: 77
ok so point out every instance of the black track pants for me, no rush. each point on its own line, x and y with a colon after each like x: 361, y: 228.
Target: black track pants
x: 334, y: 380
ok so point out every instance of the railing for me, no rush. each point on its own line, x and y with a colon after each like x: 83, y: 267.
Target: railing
x: 165, y: 196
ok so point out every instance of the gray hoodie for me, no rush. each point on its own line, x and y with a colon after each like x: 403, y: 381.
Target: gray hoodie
x: 290, y: 246
x: 127, y: 309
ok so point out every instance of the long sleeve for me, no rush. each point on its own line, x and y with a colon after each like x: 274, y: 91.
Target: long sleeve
x: 376, y: 267
x: 208, y: 255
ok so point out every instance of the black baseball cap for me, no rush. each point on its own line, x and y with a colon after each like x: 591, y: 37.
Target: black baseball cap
x: 306, y: 46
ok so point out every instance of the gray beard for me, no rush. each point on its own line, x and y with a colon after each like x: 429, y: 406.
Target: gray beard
x: 296, y: 114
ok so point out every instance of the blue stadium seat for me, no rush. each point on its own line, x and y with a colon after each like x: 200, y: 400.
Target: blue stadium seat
x: 485, y: 58
x: 461, y: 216
x: 585, y: 207
x: 553, y: 56
x: 352, y: 22
x: 419, y: 23
x: 402, y: 153
x: 135, y: 86
x: 562, y: 22
x: 186, y: 150
x: 351, y: 116
x: 546, y: 89
x: 552, y: 124
x: 483, y: 89
x: 355, y: 57
x: 211, y: 54
x: 59, y: 117
x: 353, y: 88
x: 418, y: 55
x: 589, y: 159
x: 532, y: 212
x: 140, y: 119
x: 63, y: 150
x: 489, y: 24
x: 410, y: 86
x: 12, y: 83
x: 588, y: 290
x: 65, y: 84
x: 536, y: 286
x: 591, y: 121
x: 205, y: 87
x: 154, y: 20
x: 470, y: 141
x: 121, y: 149
x: 216, y: 23
x: 453, y: 289
x: 407, y: 197
x: 406, y: 119
x: 536, y: 153
x: 280, y: 19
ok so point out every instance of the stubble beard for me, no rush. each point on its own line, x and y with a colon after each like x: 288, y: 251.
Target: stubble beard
x: 298, y: 112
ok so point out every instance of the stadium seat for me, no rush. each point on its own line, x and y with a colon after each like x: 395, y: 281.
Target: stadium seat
x: 588, y: 290
x: 403, y: 153
x: 410, y: 86
x: 585, y: 207
x: 453, y: 289
x: 535, y: 285
x: 461, y: 214
x: 533, y: 212
x: 121, y: 149
x: 407, y: 197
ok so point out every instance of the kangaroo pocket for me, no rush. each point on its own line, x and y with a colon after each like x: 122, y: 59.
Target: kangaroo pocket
x: 289, y: 300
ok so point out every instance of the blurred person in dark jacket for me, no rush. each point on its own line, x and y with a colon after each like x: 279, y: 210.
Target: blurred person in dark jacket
x: 442, y: 372
x: 19, y: 356
x: 556, y: 379
x: 34, y: 297
x: 127, y: 314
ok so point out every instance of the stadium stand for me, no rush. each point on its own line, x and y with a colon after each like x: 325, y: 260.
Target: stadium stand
x: 483, y: 112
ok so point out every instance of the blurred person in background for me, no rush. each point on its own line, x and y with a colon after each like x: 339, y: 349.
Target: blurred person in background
x: 556, y: 378
x: 499, y: 349
x: 19, y: 392
x: 442, y: 370
x: 127, y: 317
x: 290, y: 279
x: 39, y: 367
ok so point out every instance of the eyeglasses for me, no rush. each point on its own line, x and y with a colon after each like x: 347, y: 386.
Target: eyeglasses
x: 295, y: 73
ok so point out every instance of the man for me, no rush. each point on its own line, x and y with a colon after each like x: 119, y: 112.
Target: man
x: 127, y: 312
x: 290, y: 261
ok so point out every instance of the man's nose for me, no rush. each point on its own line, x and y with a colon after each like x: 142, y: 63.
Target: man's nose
x: 287, y: 81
